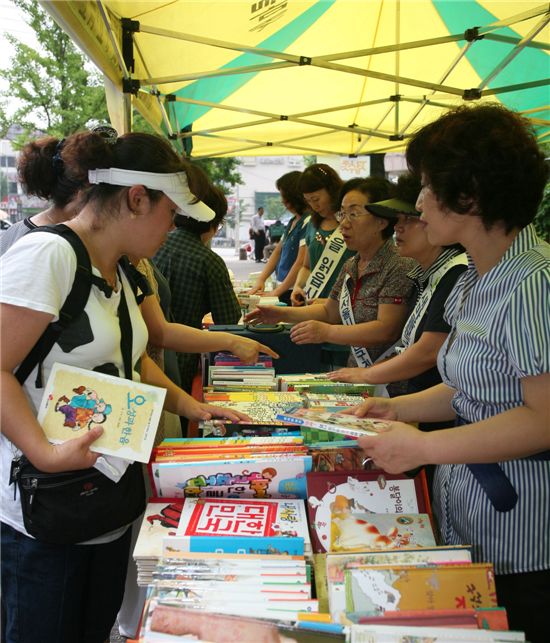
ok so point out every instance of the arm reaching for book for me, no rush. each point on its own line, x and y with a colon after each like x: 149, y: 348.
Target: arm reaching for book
x: 185, y: 339
x: 181, y: 403
x: 269, y: 267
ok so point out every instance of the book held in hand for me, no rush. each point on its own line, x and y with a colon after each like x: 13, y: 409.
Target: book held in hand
x: 76, y: 400
x: 318, y: 418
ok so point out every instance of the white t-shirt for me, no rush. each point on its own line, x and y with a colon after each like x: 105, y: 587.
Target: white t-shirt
x: 37, y: 273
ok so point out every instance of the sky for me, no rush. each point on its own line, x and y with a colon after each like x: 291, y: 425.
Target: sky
x: 12, y: 22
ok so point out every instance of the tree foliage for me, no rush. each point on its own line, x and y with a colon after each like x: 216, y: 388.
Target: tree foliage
x: 223, y: 172
x: 56, y: 92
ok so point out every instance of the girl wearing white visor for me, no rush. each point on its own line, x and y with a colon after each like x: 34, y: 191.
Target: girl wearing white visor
x: 137, y: 185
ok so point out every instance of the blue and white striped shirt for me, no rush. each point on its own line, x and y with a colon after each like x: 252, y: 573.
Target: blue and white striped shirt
x: 501, y: 333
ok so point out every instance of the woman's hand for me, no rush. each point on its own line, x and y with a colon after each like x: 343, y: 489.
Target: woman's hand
x: 247, y: 350
x: 201, y: 411
x: 71, y: 455
x: 264, y: 315
x: 310, y: 332
x: 352, y: 375
x: 397, y: 448
x: 374, y: 407
x: 298, y: 296
x: 258, y: 288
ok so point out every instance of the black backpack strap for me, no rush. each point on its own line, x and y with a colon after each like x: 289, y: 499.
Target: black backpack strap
x: 72, y: 307
x: 140, y: 286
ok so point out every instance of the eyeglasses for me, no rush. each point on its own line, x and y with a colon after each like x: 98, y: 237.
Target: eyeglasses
x: 350, y: 215
x: 407, y: 219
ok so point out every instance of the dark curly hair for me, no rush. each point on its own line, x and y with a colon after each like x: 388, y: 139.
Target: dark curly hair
x: 484, y: 161
x: 320, y: 176
x: 43, y: 173
x: 375, y: 188
x: 287, y: 184
x: 215, y: 199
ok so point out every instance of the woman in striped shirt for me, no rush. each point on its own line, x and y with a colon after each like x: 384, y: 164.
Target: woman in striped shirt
x: 483, y: 177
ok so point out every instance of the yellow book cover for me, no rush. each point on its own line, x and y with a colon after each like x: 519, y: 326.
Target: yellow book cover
x: 76, y: 400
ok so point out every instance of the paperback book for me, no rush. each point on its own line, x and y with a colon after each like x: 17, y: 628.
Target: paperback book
x: 336, y: 500
x: 76, y: 400
x: 269, y: 476
x: 319, y: 418
x: 225, y: 517
x: 370, y: 591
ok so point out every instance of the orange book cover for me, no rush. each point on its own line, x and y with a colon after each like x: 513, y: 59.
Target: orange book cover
x: 370, y: 591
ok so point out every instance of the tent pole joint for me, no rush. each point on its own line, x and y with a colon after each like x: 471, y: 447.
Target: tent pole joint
x: 396, y: 137
x: 283, y: 117
x: 129, y: 27
x: 130, y: 86
x: 304, y: 60
x: 472, y: 94
x: 395, y: 98
x: 471, y: 35
x: 170, y: 98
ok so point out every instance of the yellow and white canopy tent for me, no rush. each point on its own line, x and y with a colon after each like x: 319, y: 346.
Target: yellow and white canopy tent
x: 280, y: 77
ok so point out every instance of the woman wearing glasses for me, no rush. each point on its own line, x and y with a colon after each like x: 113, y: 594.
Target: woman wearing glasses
x: 434, y: 277
x: 326, y: 249
x: 368, y: 304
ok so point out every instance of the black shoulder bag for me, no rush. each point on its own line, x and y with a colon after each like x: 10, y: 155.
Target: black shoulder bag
x: 74, y: 506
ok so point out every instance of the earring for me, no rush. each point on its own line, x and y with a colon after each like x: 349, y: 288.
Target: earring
x: 133, y: 214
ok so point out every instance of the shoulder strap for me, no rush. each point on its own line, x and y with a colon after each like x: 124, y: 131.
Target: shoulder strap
x: 138, y: 282
x: 72, y: 307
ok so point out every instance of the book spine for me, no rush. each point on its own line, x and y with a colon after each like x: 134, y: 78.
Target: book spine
x: 314, y: 424
x: 292, y: 546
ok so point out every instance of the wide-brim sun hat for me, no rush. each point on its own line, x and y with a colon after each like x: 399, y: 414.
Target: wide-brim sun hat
x: 392, y: 208
x: 174, y: 185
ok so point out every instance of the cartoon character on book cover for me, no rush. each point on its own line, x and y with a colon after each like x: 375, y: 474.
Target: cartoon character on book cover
x: 76, y: 400
x: 83, y: 410
x: 352, y: 531
x: 358, y: 492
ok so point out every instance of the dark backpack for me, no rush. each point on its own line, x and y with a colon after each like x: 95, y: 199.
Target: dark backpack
x: 76, y: 299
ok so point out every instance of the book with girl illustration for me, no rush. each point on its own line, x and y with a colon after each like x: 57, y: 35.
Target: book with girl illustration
x: 76, y: 400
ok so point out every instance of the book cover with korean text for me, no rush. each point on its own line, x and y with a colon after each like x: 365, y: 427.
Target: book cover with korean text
x: 76, y: 400
x: 365, y: 492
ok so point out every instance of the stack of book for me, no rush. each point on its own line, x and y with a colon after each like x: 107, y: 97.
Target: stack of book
x: 255, y: 467
x: 266, y: 407
x: 319, y: 383
x: 228, y: 359
x: 242, y: 378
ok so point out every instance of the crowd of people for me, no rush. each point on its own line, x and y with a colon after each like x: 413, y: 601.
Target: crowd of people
x: 437, y: 288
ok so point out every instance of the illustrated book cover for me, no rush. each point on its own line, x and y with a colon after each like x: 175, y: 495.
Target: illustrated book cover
x: 319, y: 418
x: 269, y: 476
x: 335, y: 497
x: 370, y: 591
x: 76, y: 400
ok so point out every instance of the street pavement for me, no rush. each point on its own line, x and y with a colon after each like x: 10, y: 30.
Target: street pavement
x: 241, y: 269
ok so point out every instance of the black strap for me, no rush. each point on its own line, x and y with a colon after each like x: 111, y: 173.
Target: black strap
x: 140, y: 286
x: 126, y: 337
x: 72, y: 307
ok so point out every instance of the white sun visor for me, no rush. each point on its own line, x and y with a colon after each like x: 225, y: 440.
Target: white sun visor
x: 174, y: 185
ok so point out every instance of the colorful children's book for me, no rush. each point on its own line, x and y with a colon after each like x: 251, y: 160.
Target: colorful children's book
x: 318, y: 418
x: 272, y: 476
x: 342, y: 494
x: 220, y: 518
x: 76, y: 400
x: 261, y: 546
x: 356, y: 531
x: 341, y: 457
x: 370, y: 591
x: 338, y: 564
